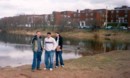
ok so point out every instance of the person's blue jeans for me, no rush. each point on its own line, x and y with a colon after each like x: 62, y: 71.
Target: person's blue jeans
x: 36, y: 60
x: 49, y: 55
x: 59, y: 56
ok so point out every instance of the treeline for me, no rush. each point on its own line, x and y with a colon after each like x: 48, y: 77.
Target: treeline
x: 35, y: 22
x: 22, y: 21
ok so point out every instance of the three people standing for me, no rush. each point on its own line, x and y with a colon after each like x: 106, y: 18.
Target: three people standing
x: 51, y: 46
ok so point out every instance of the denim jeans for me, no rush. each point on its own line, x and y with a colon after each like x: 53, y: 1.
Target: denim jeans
x: 49, y: 55
x: 36, y: 60
x: 59, y: 56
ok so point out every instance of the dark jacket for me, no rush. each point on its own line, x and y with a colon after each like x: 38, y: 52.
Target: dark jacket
x: 60, y: 42
x: 35, y: 45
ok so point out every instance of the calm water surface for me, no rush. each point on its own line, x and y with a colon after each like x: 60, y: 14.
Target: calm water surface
x: 15, y: 50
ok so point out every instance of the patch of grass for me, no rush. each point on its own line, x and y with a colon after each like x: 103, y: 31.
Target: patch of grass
x: 89, y: 62
x: 100, y: 61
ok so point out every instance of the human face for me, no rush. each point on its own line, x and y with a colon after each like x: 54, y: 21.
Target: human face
x: 57, y: 35
x: 38, y: 34
x: 48, y: 35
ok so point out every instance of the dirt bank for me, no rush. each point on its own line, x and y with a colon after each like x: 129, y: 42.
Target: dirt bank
x: 114, y: 64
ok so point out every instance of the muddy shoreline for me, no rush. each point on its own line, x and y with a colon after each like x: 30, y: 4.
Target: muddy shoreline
x: 115, y: 64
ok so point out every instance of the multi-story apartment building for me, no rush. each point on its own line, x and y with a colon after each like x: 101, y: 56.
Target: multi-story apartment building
x: 129, y: 19
x: 119, y: 15
x: 59, y: 17
x: 87, y: 17
x: 92, y: 17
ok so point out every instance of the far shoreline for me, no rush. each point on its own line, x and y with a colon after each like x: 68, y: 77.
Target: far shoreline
x: 82, y: 34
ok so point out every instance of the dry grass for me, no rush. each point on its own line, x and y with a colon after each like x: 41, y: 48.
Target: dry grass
x: 82, y: 34
x: 112, y: 60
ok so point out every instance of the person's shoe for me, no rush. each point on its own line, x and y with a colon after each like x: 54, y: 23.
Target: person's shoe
x: 56, y: 67
x: 44, y: 68
x: 51, y: 69
x: 62, y: 66
x: 33, y: 70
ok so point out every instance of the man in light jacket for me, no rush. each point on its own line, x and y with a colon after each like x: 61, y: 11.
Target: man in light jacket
x: 49, y: 46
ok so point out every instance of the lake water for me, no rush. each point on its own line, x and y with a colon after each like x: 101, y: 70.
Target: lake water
x: 15, y: 50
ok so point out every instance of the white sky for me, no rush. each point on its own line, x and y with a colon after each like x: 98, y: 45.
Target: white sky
x: 16, y: 7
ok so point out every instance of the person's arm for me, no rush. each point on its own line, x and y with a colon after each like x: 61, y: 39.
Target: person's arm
x: 44, y: 44
x: 42, y: 47
x: 32, y: 40
x: 32, y: 43
x: 60, y: 42
x: 54, y: 44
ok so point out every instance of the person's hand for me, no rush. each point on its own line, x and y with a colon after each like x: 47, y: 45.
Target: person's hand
x: 58, y: 48
x: 43, y: 48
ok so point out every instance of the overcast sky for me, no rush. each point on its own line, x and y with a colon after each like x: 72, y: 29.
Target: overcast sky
x: 16, y: 7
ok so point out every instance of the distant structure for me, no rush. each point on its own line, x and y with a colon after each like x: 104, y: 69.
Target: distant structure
x: 87, y: 17
x: 120, y: 15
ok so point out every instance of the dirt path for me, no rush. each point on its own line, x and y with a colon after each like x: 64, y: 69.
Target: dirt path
x: 65, y: 73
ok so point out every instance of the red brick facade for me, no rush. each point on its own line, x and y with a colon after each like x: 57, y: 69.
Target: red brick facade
x: 59, y: 16
x: 119, y: 15
x: 129, y: 19
x: 92, y: 17
x: 97, y: 17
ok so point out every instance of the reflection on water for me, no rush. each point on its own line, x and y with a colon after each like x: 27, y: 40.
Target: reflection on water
x: 16, y: 50
x: 91, y: 47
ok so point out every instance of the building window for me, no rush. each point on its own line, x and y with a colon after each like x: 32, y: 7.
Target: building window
x: 86, y: 14
x: 79, y: 15
x: 65, y: 16
x: 126, y: 11
x: 91, y: 14
x: 112, y: 12
x: 125, y: 20
x: 68, y: 16
x: 86, y: 19
x: 100, y: 12
x: 126, y: 15
x: 103, y: 15
x: 117, y: 16
x: 74, y: 15
x: 111, y: 16
x: 91, y: 19
x: 117, y: 11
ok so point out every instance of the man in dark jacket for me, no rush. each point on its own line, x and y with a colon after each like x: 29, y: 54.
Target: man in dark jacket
x: 59, y: 41
x: 37, y: 47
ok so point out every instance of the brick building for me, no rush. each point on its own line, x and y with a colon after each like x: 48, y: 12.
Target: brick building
x: 59, y: 17
x: 119, y: 15
x: 100, y: 17
x: 76, y: 18
x: 92, y: 17
x: 87, y: 17
x: 129, y: 19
